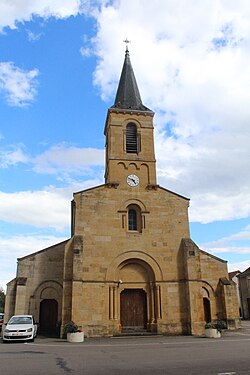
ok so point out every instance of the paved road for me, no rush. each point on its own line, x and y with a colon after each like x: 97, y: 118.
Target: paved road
x: 159, y: 355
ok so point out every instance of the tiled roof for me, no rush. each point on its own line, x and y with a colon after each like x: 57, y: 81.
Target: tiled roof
x: 244, y: 273
x: 232, y: 274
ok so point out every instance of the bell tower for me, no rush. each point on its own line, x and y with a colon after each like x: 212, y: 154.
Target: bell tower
x: 130, y: 158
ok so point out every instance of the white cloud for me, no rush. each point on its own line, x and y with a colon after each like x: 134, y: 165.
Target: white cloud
x: 12, y: 156
x: 232, y: 250
x: 14, y: 11
x: 68, y: 159
x: 191, y: 62
x: 48, y: 208
x: 86, y: 51
x: 225, y: 244
x: 244, y: 234
x: 216, y: 206
x: 234, y: 246
x: 13, y: 247
x: 241, y: 266
x: 32, y: 37
x: 18, y: 86
x: 65, y: 161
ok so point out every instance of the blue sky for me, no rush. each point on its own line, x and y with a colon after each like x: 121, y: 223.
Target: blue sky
x: 60, y: 62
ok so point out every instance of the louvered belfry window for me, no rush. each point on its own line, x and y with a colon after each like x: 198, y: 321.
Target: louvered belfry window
x: 131, y: 138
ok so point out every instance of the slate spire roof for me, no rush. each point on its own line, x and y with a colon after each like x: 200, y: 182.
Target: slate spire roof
x: 128, y: 95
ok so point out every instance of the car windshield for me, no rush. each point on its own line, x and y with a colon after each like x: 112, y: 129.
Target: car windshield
x: 20, y: 320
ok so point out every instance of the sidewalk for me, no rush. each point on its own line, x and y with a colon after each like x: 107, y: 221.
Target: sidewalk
x: 243, y: 331
x: 245, y: 324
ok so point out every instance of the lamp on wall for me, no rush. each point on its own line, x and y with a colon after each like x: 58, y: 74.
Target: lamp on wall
x: 119, y: 282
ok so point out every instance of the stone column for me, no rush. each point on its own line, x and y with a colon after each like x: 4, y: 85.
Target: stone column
x: 115, y: 302
x: 152, y: 303
x: 111, y: 303
x: 158, y: 301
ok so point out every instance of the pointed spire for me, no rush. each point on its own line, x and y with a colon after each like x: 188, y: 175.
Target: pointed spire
x: 128, y: 95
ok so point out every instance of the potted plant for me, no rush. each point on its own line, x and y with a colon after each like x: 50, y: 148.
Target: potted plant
x: 212, y: 331
x: 73, y: 332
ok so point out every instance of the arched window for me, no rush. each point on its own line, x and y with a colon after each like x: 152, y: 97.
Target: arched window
x: 131, y: 138
x: 134, y: 218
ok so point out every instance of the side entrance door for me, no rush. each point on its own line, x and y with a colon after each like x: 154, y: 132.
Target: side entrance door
x: 133, y: 309
x: 207, y: 310
x: 48, y: 316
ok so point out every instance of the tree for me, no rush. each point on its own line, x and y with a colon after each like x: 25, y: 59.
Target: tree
x: 2, y: 300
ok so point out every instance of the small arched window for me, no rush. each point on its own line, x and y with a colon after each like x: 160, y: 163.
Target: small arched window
x: 134, y: 218
x: 131, y: 138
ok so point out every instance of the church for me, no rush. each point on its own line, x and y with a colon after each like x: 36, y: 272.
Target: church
x: 130, y: 264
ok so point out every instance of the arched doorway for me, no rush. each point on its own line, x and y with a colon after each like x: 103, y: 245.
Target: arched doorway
x: 133, y: 271
x: 48, y: 316
x: 206, y: 304
x: 133, y: 310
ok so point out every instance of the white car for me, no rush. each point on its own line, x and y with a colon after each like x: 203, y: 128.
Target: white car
x: 21, y: 328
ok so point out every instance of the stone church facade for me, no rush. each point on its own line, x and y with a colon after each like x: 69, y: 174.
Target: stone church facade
x: 130, y: 264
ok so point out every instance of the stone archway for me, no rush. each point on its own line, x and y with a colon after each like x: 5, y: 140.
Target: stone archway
x: 134, y: 296
x: 206, y: 304
x: 133, y: 256
x: 46, y: 306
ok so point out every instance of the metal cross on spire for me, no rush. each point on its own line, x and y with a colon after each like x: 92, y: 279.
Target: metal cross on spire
x: 127, y: 42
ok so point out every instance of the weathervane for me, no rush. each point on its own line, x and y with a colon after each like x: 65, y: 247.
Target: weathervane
x: 127, y: 42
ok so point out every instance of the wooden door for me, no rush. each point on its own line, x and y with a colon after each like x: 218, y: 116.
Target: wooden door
x: 207, y: 310
x: 133, y: 309
x: 48, y: 316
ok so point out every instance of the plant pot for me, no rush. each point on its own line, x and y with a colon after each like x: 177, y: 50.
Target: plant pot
x: 212, y: 333
x: 75, y: 337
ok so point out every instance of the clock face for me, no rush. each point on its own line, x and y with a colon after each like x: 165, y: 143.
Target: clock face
x: 133, y: 180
